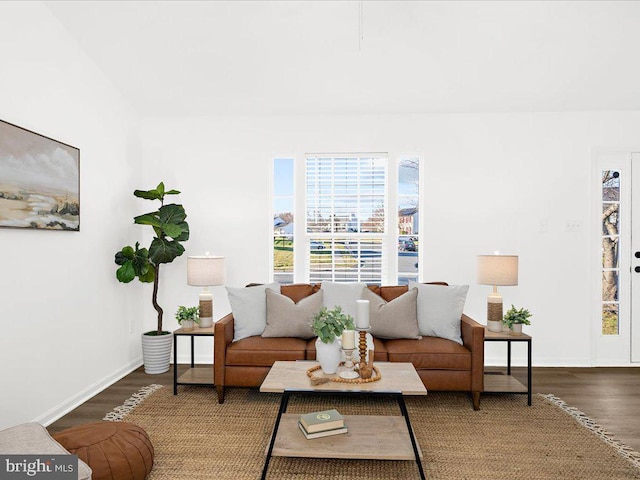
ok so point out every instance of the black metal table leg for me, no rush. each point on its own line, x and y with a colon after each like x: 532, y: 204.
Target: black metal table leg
x: 508, y: 357
x: 283, y: 408
x: 192, y: 353
x: 405, y: 414
x: 175, y: 364
x: 529, y: 372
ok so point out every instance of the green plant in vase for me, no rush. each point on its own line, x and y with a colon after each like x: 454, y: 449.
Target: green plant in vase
x: 328, y: 324
x: 187, y: 314
x: 515, y: 318
x: 170, y: 229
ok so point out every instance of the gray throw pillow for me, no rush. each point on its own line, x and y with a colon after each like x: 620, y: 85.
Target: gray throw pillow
x: 288, y: 319
x: 249, y: 308
x: 343, y: 294
x: 439, y: 310
x: 394, y: 319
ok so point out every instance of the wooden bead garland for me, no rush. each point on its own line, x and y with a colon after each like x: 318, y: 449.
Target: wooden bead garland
x: 374, y: 378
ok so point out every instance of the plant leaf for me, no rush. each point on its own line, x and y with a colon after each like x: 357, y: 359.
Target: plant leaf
x: 148, y: 194
x: 164, y: 251
x: 126, y: 273
x: 148, y: 219
x: 172, y: 213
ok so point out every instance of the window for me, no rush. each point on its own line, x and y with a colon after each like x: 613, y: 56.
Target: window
x: 408, y: 219
x: 610, y: 251
x: 361, y: 219
x: 282, y: 208
x: 345, y: 203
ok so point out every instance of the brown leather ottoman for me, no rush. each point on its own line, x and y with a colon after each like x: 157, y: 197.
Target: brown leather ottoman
x: 113, y: 450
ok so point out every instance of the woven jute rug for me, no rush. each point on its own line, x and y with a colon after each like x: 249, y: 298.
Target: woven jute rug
x: 196, y: 438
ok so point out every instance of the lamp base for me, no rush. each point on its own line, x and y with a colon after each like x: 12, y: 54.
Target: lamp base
x: 494, y: 312
x: 206, y: 310
x: 494, y: 326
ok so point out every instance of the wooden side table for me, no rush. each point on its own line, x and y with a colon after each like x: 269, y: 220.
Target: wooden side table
x: 201, y: 376
x: 507, y: 383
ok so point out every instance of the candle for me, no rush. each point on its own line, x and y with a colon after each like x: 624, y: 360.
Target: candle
x: 348, y: 339
x: 362, y: 314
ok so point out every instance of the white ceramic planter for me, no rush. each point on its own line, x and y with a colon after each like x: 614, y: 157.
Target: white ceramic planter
x: 187, y: 325
x: 516, y: 329
x: 329, y: 355
x: 156, y: 353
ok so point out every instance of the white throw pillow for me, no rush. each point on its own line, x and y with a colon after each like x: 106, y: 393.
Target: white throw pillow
x: 344, y: 295
x: 249, y: 308
x: 439, y: 310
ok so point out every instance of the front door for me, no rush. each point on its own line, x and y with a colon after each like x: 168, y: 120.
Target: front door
x: 635, y: 257
x: 615, y: 298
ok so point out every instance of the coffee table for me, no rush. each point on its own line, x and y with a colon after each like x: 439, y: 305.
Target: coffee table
x: 369, y: 437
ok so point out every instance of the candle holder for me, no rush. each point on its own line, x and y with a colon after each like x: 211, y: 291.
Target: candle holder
x: 362, y: 342
x: 348, y: 364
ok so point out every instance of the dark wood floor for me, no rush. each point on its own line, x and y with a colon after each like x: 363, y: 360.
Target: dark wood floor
x: 610, y: 396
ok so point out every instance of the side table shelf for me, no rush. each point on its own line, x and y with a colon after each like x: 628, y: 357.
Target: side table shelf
x: 498, y: 383
x: 200, y: 376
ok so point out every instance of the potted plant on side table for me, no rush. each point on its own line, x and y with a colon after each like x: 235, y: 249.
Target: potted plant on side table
x: 328, y: 325
x: 514, y: 319
x: 188, y: 316
x: 170, y: 228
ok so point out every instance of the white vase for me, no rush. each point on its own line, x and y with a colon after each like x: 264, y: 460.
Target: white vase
x: 516, y: 329
x: 329, y: 355
x: 156, y: 353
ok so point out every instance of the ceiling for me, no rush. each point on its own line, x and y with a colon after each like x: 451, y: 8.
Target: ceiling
x: 346, y: 57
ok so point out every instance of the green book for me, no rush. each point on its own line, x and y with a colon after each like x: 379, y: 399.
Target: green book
x: 320, y: 421
x: 325, y: 433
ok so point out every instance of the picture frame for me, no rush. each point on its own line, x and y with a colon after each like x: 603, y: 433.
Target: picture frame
x: 39, y: 181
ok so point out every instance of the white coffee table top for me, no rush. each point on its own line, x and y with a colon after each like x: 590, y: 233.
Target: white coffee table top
x: 292, y: 375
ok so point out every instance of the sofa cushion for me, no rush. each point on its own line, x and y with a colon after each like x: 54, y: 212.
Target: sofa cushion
x: 33, y: 439
x: 440, y: 309
x: 258, y: 351
x: 249, y: 308
x: 394, y: 319
x: 298, y: 291
x: 343, y: 295
x: 392, y: 292
x: 288, y: 319
x: 430, y: 352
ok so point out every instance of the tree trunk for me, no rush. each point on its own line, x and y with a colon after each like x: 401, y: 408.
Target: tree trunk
x: 154, y: 298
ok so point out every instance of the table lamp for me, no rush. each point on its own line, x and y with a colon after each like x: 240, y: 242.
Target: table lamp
x: 496, y: 270
x: 205, y: 271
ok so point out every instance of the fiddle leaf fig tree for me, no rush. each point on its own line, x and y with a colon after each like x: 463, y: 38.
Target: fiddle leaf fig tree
x: 170, y: 230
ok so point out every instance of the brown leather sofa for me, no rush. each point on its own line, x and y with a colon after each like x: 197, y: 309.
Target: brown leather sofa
x: 443, y: 365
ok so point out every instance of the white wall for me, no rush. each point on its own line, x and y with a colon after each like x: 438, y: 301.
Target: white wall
x: 491, y: 180
x: 68, y: 327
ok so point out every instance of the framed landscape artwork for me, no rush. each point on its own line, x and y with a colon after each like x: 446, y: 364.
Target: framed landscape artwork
x: 39, y: 181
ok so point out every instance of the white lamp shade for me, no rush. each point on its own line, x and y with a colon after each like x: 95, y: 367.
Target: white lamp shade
x: 205, y: 271
x: 497, y: 270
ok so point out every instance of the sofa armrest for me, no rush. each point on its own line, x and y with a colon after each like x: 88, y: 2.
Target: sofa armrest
x: 473, y: 339
x: 223, y: 336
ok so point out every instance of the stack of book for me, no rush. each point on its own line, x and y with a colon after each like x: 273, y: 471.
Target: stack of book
x: 322, y: 424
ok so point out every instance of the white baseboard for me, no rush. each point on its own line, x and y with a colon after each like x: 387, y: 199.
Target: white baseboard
x: 62, y: 409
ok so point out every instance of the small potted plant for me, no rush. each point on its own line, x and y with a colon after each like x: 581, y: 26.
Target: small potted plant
x: 328, y: 325
x: 514, y: 319
x: 187, y: 316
